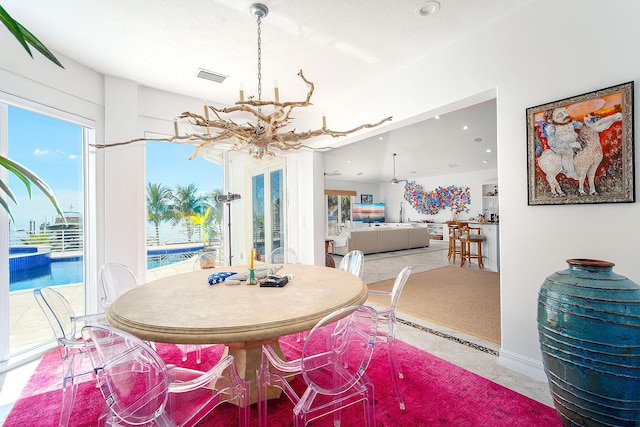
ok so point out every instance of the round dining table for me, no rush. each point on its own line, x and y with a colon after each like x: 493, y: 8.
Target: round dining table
x: 186, y: 309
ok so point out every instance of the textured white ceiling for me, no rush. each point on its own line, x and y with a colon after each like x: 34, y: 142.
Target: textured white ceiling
x: 341, y: 45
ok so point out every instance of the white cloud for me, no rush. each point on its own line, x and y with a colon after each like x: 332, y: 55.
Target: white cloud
x: 72, y: 156
x: 39, y: 152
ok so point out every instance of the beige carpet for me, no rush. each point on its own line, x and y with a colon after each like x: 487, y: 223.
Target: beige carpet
x: 459, y: 298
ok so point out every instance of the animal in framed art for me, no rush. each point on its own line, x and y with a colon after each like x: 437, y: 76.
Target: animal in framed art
x: 586, y: 160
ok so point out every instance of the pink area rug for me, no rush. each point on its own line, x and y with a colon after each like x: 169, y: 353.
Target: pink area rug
x: 436, y: 392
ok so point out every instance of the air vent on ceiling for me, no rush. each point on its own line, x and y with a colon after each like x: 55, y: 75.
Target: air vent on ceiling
x: 210, y: 75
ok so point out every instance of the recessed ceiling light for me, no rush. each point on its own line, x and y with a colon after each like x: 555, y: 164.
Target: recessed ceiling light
x: 431, y: 170
x: 437, y: 117
x: 484, y: 161
x: 465, y: 127
x: 488, y: 150
x: 381, y: 138
x: 428, y: 9
x: 348, y: 161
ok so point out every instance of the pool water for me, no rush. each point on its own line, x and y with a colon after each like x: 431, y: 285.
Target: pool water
x: 56, y: 273
x: 64, y: 273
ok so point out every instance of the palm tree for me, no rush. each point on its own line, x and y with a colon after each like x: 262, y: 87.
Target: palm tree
x: 25, y: 38
x: 202, y: 221
x: 158, y: 206
x: 185, y: 203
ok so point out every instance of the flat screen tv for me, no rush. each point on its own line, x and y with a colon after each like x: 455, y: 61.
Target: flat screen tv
x: 368, y: 212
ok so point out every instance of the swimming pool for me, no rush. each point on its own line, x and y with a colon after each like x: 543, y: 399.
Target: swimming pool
x: 70, y: 271
x: 56, y: 273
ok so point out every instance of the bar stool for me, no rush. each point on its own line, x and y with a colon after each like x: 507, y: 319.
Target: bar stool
x: 469, y: 235
x: 454, y: 238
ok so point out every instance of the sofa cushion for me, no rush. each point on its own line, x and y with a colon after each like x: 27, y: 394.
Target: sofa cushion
x: 383, y: 239
x: 393, y: 240
x: 364, y: 240
x: 418, y: 237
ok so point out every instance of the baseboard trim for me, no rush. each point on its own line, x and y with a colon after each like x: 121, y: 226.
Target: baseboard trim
x: 525, y: 365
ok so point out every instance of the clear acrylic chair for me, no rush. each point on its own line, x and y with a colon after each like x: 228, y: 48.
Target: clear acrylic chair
x: 116, y: 279
x: 283, y: 255
x: 334, y: 359
x: 66, y: 327
x: 204, y: 260
x: 387, y: 327
x: 140, y: 389
x: 353, y: 262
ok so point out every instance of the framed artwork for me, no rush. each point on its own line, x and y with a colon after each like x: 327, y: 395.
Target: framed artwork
x: 580, y: 149
x: 366, y: 198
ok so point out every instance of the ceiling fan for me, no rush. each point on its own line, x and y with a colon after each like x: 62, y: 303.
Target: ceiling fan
x: 395, y: 180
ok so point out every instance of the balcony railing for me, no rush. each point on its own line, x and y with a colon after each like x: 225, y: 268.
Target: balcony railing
x: 57, y: 240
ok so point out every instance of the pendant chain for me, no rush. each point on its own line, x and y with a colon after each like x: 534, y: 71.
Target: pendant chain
x: 259, y: 61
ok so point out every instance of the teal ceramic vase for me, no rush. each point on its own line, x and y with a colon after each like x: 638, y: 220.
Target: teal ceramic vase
x: 589, y: 331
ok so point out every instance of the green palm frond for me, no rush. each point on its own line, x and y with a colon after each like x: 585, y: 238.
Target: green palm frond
x: 27, y: 177
x: 25, y: 37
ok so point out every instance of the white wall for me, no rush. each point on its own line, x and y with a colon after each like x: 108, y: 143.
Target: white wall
x: 546, y: 51
x: 359, y: 187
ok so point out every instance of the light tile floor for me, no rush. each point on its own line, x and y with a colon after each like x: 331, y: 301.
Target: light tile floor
x: 451, y: 345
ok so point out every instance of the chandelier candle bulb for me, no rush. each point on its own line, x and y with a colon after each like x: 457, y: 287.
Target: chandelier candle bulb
x: 175, y: 127
x: 324, y: 121
x: 206, y: 116
x: 241, y: 94
x: 276, y: 91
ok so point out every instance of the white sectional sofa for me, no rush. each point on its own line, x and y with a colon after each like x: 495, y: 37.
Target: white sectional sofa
x: 383, y: 239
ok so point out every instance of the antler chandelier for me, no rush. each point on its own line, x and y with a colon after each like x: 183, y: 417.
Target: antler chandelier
x: 262, y: 135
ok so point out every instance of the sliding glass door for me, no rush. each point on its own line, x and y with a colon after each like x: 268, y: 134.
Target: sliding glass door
x: 338, y: 205
x: 39, y: 247
x: 268, y: 228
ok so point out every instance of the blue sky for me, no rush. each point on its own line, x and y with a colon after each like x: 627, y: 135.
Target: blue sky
x: 169, y: 165
x: 49, y: 147
x: 52, y: 149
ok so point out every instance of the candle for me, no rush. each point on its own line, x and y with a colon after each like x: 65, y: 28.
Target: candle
x: 206, y: 116
x: 175, y: 127
x: 241, y: 92
x: 251, y: 260
x: 276, y: 91
x: 324, y: 121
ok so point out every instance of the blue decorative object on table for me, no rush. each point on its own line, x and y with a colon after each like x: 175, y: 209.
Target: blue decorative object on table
x: 589, y: 331
x: 220, y: 277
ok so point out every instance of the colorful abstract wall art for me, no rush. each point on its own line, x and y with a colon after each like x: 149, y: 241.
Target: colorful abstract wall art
x: 456, y: 199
